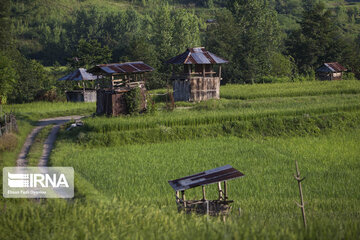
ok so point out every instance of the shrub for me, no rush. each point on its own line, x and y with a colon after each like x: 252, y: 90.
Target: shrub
x: 349, y: 76
x: 8, y: 142
x: 133, y: 100
x: 273, y: 79
x: 47, y: 95
x: 151, y: 105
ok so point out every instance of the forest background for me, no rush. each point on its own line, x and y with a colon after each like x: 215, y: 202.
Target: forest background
x: 265, y: 41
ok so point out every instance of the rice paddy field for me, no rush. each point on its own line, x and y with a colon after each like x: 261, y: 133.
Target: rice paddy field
x: 122, y: 166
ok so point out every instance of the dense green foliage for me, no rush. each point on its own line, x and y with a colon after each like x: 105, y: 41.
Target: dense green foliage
x: 133, y: 100
x: 245, y: 27
x: 265, y: 41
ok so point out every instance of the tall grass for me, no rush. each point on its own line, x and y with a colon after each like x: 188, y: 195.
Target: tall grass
x: 315, y: 88
x: 268, y: 126
x: 215, y: 112
x: 137, y: 201
x: 122, y: 166
x: 38, y: 110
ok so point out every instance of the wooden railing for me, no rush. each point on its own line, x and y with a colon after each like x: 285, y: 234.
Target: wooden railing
x: 192, y: 75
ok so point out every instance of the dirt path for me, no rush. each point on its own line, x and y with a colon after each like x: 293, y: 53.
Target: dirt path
x: 49, y: 143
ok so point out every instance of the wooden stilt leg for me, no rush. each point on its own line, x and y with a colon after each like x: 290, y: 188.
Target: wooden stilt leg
x: 183, y: 198
x: 203, y: 192
x: 225, y: 191
x: 220, y: 191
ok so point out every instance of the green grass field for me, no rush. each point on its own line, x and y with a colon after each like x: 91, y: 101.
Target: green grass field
x: 38, y: 110
x: 122, y: 166
x: 313, y: 88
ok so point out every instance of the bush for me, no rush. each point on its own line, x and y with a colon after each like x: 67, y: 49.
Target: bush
x: 8, y: 142
x: 151, y: 105
x: 48, y: 95
x: 133, y: 100
x: 273, y: 79
x: 349, y: 76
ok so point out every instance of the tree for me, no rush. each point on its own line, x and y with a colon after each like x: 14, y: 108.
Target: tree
x: 282, y: 66
x: 163, y: 28
x: 317, y: 41
x: 223, y: 40
x: 250, y: 36
x: 89, y: 53
x: 32, y: 80
x: 186, y: 30
x: 5, y: 25
x: 8, y: 77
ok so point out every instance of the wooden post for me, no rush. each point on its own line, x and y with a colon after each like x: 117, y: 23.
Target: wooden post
x: 10, y: 123
x: 220, y: 72
x: 207, y: 209
x: 220, y: 191
x: 83, y: 83
x: 177, y: 196
x: 225, y: 191
x: 203, y: 67
x: 301, y: 205
x: 6, y: 124
x: 189, y: 69
x: 203, y: 192
x: 183, y: 198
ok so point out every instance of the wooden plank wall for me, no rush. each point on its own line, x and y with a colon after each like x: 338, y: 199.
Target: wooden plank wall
x: 112, y: 102
x: 181, y: 90
x: 197, y: 89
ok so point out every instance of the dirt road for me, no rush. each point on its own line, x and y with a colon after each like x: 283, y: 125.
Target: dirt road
x: 48, y: 144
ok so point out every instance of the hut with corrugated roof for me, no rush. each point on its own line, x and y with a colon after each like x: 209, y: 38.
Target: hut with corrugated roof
x: 200, y: 77
x: 220, y: 206
x: 117, y: 80
x: 86, y: 94
x: 330, y: 71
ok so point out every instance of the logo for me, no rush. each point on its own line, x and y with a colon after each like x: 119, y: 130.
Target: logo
x: 38, y: 182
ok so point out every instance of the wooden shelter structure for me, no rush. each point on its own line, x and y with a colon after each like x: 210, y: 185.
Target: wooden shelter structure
x: 212, y: 207
x: 117, y: 80
x: 198, y: 80
x: 330, y: 71
x: 86, y: 94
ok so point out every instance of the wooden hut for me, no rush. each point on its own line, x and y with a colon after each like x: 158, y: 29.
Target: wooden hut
x: 117, y: 80
x: 198, y: 80
x: 86, y: 94
x: 220, y: 206
x: 330, y: 71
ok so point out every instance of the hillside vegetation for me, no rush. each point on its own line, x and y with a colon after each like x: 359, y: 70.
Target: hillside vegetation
x: 264, y: 41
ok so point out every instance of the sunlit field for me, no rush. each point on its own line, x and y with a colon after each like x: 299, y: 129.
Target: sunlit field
x: 123, y: 164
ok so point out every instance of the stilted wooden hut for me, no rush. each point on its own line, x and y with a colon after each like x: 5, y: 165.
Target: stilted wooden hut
x: 330, y: 71
x: 198, y: 80
x: 86, y: 94
x: 117, y: 80
x: 220, y: 206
